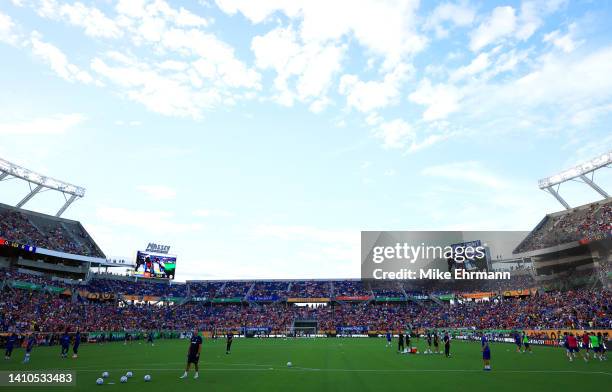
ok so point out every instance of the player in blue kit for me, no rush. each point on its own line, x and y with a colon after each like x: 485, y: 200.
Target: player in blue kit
x: 65, y: 343
x: 29, y: 347
x: 518, y: 342
x: 388, y: 338
x: 486, y: 353
x: 77, y: 343
x: 10, y: 344
x: 150, y: 338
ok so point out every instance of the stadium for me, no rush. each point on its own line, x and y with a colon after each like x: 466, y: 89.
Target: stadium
x: 234, y: 195
x: 58, y: 286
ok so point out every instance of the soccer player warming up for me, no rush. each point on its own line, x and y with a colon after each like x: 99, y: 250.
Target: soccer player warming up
x: 193, y: 354
x: 65, y: 343
x: 526, y: 343
x: 228, y: 345
x: 77, y: 343
x: 10, y: 344
x: 447, y: 341
x: 29, y: 347
x: 388, y: 338
x: 486, y: 353
x: 400, y: 342
x: 572, y: 346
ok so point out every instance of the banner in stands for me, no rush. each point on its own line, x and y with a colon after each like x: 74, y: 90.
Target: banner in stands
x: 263, y: 298
x: 357, y: 329
x: 25, y: 285
x: 96, y: 296
x: 353, y: 298
x: 247, y: 330
x: 151, y: 298
x: 131, y: 297
x: 55, y: 289
x: 173, y: 299
x: 446, y: 297
x: 223, y: 300
x: 418, y: 296
x: 308, y: 300
x: 199, y: 299
x: 519, y: 293
x: 478, y: 295
x: 13, y: 244
x: 390, y: 299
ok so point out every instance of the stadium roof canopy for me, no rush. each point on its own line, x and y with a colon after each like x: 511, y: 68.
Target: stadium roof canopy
x: 40, y: 183
x: 577, y: 173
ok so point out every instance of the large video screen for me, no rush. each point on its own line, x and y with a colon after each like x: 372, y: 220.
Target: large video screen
x: 471, y: 255
x: 154, y: 265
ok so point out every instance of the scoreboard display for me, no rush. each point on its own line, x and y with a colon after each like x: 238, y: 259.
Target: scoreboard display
x: 154, y: 265
x: 470, y: 255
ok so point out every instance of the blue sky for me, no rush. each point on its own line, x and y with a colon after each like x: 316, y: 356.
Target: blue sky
x: 257, y: 138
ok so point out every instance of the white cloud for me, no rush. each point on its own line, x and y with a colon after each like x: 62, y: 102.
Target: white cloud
x: 54, y: 125
x: 58, y: 61
x: 312, y: 64
x: 502, y: 22
x: 565, y: 42
x: 394, y: 134
x: 91, y: 19
x: 384, y: 27
x: 308, y: 233
x: 440, y: 99
x: 471, y: 172
x: 366, y: 96
x: 158, y: 192
x: 167, y: 91
x: 158, y: 222
x: 478, y: 65
x: 7, y: 30
x: 210, y: 213
x: 459, y: 14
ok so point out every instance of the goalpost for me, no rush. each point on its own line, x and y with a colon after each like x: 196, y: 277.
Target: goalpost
x: 304, y: 328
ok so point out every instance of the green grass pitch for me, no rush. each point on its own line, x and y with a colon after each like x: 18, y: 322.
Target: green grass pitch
x: 318, y: 365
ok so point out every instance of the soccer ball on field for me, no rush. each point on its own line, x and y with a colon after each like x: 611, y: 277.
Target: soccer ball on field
x: 129, y: 374
x: 289, y: 364
x: 99, y: 381
x: 104, y: 374
x: 147, y: 377
x: 123, y: 379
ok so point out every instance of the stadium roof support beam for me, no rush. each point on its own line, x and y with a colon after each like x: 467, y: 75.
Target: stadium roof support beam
x: 578, y: 172
x: 590, y: 183
x: 558, y: 197
x: 29, y: 196
x: 66, y: 205
x: 42, y: 183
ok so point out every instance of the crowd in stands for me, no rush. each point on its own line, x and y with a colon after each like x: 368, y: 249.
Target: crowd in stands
x: 591, y: 222
x: 137, y: 287
x: 281, y: 289
x: 205, y: 289
x: 310, y: 289
x: 24, y: 310
x: 46, y: 233
x: 348, y: 288
x: 268, y: 289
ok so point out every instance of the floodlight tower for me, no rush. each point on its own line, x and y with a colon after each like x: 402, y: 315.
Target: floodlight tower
x: 578, y: 173
x: 40, y: 183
